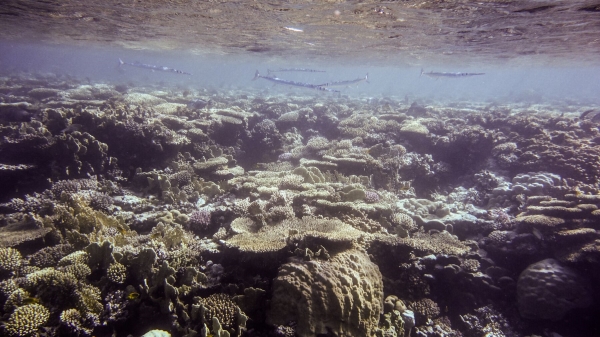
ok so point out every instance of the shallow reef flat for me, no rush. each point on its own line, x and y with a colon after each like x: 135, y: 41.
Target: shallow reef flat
x: 201, y: 212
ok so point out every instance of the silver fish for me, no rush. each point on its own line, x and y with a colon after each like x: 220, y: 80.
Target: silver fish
x: 152, y: 67
x: 346, y: 83
x: 296, y: 69
x: 436, y: 75
x: 292, y: 83
x: 197, y: 104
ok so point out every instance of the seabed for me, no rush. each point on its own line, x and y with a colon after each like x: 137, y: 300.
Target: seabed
x: 132, y: 210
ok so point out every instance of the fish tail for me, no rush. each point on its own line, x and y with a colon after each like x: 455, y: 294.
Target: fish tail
x: 121, y: 62
x: 256, y: 75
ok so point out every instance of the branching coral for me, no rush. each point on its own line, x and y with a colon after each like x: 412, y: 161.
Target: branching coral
x: 26, y: 320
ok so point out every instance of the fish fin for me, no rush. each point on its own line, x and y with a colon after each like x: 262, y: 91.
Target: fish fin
x: 121, y: 62
x: 367, y: 78
x: 421, y: 72
x: 256, y: 75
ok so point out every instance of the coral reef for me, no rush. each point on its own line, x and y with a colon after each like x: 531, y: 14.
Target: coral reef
x: 129, y: 210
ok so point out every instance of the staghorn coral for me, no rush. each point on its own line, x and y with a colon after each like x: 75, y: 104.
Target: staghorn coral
x: 343, y: 295
x: 26, y: 320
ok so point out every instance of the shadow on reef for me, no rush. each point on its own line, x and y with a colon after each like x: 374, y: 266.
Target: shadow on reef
x: 131, y: 210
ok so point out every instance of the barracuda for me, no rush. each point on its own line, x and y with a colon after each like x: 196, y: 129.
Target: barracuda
x: 292, y: 83
x: 437, y: 75
x: 152, y: 67
x: 296, y: 69
x: 346, y: 83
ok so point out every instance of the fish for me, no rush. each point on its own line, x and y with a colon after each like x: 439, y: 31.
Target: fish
x: 596, y: 118
x: 133, y: 296
x: 31, y: 300
x: 15, y: 114
x: 437, y: 75
x: 296, y: 69
x: 346, y: 83
x: 327, y: 89
x: 292, y: 83
x: 298, y: 30
x: 72, y: 128
x: 152, y: 67
x: 585, y: 113
x: 538, y: 234
x: 197, y: 104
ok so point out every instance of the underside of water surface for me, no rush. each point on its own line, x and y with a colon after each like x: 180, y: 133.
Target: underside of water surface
x: 292, y: 168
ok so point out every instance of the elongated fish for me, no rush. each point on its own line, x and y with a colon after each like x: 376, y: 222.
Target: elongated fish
x: 296, y: 69
x: 346, y: 83
x: 152, y: 67
x: 292, y: 83
x: 436, y: 75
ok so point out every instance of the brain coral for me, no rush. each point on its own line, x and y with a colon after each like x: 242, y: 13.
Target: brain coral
x: 548, y: 290
x: 343, y: 295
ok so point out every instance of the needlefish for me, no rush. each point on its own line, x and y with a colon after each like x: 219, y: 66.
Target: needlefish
x: 296, y: 69
x: 292, y: 83
x: 152, y: 67
x: 345, y: 83
x: 437, y: 75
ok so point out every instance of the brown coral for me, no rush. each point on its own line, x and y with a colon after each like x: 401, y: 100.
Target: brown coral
x: 343, y: 295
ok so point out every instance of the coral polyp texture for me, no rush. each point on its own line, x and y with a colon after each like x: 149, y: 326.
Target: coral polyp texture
x: 155, y: 210
x: 548, y: 290
x: 343, y: 295
x: 26, y: 320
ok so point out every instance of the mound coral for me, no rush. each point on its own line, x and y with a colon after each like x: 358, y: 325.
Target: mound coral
x: 343, y: 295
